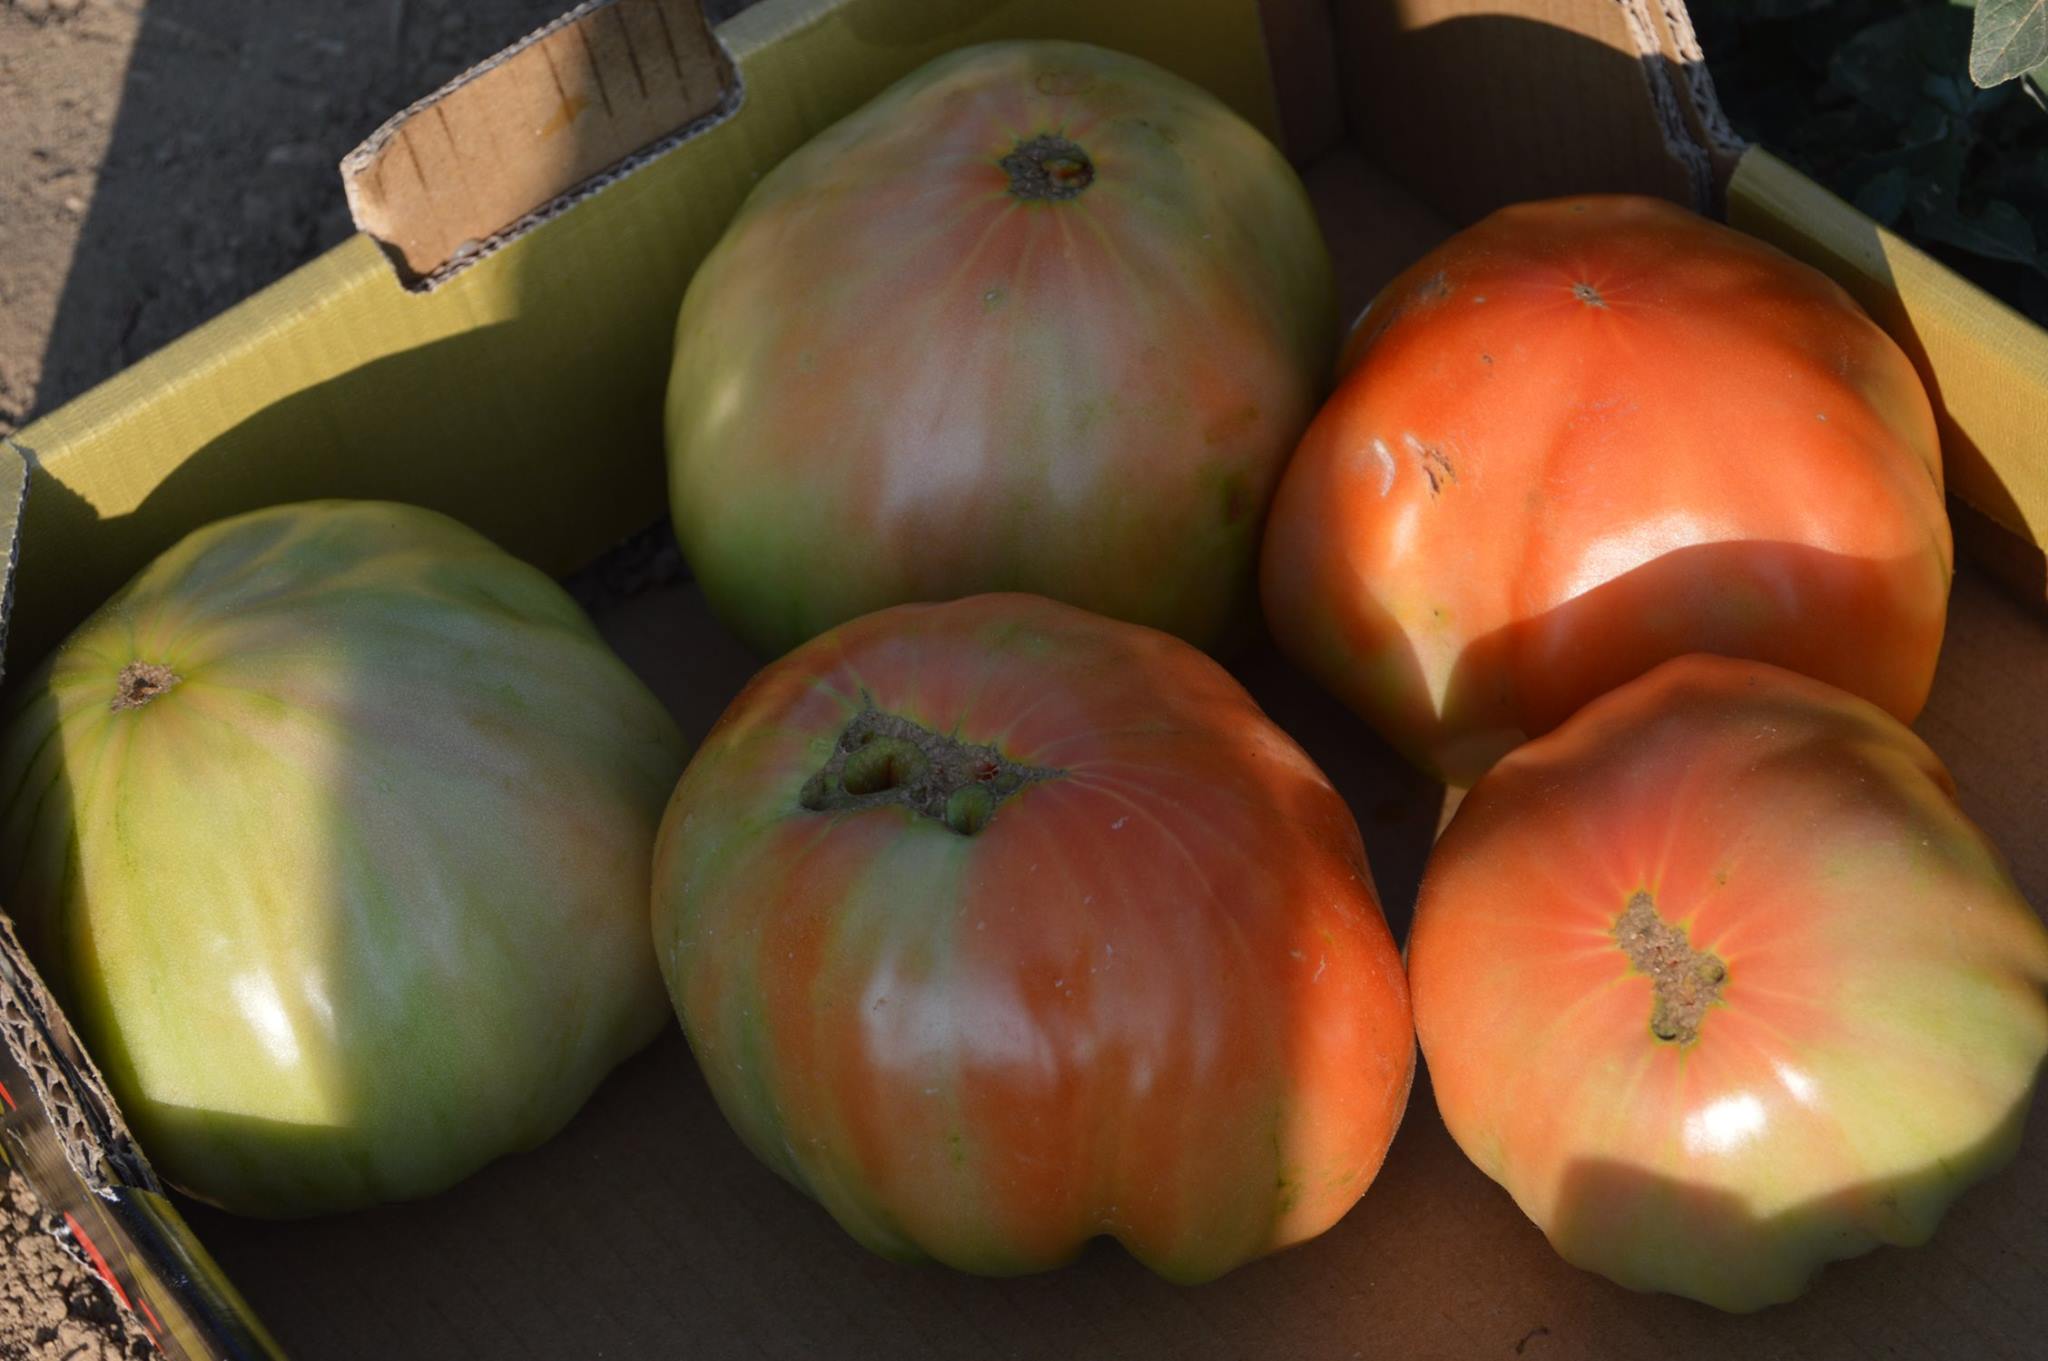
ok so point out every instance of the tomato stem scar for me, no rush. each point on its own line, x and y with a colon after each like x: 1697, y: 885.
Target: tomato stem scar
x: 139, y: 683
x: 1687, y: 981
x: 883, y: 758
x: 1048, y: 168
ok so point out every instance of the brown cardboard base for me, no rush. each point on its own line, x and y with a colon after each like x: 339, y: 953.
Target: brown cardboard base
x: 645, y: 1229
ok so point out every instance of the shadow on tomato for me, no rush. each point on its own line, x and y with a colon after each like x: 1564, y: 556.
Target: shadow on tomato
x: 1825, y: 614
x: 1394, y: 801
x: 1652, y: 1232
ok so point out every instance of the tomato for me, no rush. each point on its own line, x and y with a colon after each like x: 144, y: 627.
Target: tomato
x: 997, y: 926
x: 1720, y: 983
x: 332, y: 831
x: 1586, y: 436
x: 1041, y: 317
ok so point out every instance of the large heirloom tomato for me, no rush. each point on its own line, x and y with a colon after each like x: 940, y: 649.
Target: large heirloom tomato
x: 997, y: 926
x: 1722, y: 985
x: 332, y: 831
x: 1041, y: 317
x: 1586, y: 436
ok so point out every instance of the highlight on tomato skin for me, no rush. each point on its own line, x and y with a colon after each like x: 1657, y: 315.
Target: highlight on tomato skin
x: 997, y: 926
x: 1720, y: 983
x: 1583, y: 437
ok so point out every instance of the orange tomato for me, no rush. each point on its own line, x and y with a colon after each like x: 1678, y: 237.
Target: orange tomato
x: 1586, y: 436
x: 997, y: 926
x: 1720, y: 983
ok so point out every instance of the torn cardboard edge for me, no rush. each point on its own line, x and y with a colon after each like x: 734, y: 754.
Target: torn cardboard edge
x: 14, y: 468
x: 130, y: 1239
x: 437, y: 206
x: 83, y: 1119
x: 1681, y: 141
x: 1708, y: 122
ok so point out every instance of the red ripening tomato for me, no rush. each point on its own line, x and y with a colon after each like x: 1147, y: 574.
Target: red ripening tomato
x: 997, y: 926
x: 1722, y: 985
x: 1586, y: 436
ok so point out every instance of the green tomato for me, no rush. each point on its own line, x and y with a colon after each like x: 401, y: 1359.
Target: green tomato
x: 333, y: 833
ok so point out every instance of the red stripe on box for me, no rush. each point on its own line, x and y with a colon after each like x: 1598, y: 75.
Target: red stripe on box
x: 106, y: 1272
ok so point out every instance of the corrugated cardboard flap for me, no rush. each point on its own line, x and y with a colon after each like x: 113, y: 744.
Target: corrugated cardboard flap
x: 1459, y: 100
x: 548, y: 121
x: 83, y: 1116
x: 1985, y: 365
x: 98, y: 1192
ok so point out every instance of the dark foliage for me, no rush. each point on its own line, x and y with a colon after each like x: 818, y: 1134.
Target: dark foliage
x: 1873, y: 98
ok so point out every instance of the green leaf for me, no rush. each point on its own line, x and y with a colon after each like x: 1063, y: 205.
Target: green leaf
x: 1781, y: 9
x: 1927, y: 126
x: 1874, y: 99
x: 1891, y: 66
x: 1999, y: 232
x: 2033, y: 297
x: 2020, y: 176
x: 1883, y: 197
x: 1935, y: 171
x: 2010, y: 38
x: 1949, y: 93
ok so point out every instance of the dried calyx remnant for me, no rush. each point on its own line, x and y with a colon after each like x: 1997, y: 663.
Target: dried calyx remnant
x: 1048, y: 167
x: 1687, y: 981
x: 884, y: 758
x: 139, y: 683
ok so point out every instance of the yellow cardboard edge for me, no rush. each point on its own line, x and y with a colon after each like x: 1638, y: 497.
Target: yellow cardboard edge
x: 13, y: 493
x: 1985, y: 365
x: 524, y: 395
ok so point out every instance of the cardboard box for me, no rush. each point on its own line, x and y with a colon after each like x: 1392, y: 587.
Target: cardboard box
x: 502, y: 358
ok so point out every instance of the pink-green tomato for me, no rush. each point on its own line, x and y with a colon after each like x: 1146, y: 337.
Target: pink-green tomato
x: 332, y: 832
x: 1041, y: 317
x: 1720, y: 983
x: 997, y: 925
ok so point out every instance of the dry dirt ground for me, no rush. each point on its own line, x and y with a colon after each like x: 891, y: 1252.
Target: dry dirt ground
x: 159, y: 161
x: 50, y: 1305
